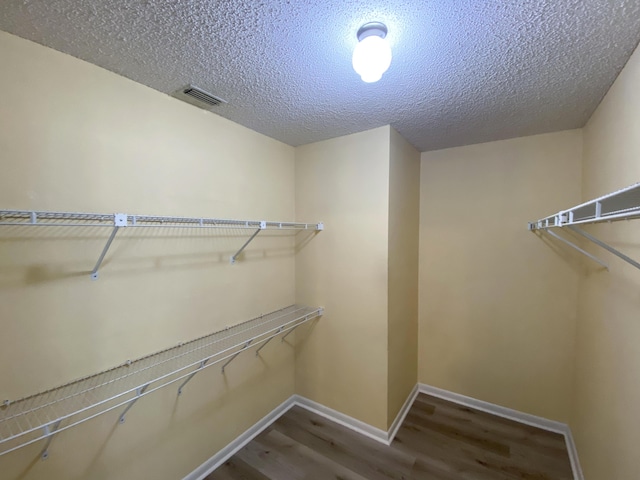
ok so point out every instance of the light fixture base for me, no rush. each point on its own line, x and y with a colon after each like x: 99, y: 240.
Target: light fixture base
x: 378, y: 29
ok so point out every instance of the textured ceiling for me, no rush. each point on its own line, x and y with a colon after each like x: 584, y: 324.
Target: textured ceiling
x: 463, y: 71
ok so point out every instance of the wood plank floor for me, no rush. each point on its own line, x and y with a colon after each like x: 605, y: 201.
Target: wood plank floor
x: 438, y: 440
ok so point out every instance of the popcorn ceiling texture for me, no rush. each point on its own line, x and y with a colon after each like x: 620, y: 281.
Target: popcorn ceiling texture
x: 463, y: 71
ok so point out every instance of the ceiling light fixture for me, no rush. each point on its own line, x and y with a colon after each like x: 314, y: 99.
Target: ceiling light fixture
x: 372, y: 55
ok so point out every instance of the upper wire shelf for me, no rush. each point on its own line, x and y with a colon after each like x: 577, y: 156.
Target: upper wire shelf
x: 623, y: 204
x: 74, y: 219
x: 41, y: 416
x: 29, y: 218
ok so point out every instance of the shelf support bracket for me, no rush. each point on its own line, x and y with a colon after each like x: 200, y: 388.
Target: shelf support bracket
x: 246, y: 345
x: 263, y: 225
x: 50, y: 431
x: 607, y: 247
x: 193, y: 374
x: 120, y: 220
x: 265, y: 343
x: 139, y: 392
x: 574, y: 246
x: 291, y: 331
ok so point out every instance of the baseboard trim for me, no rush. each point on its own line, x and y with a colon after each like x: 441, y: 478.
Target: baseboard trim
x: 402, y: 414
x: 227, y: 452
x: 492, y: 408
x: 573, y: 455
x: 516, y: 416
x: 380, y: 435
x: 296, y: 400
x: 342, y: 419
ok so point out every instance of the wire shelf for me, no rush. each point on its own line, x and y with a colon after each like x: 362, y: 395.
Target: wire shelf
x: 38, y: 417
x: 74, y: 219
x: 623, y: 204
x: 116, y: 221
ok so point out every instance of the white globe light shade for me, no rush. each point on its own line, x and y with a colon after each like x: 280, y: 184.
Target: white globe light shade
x: 371, y: 58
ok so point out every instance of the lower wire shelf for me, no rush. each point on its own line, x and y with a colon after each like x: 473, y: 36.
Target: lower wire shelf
x: 41, y: 416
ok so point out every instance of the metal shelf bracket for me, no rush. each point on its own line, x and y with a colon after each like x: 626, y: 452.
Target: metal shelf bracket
x: 139, y: 392
x: 49, y: 432
x: 263, y: 226
x: 291, y: 331
x: 200, y: 367
x: 120, y: 220
x: 37, y: 418
x: 574, y: 246
x: 606, y: 246
x: 246, y: 345
x: 321, y: 312
x: 265, y: 343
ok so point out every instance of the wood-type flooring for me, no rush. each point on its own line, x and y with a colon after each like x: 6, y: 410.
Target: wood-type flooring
x: 438, y: 440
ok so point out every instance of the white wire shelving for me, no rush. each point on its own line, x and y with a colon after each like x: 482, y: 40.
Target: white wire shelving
x: 116, y: 221
x: 39, y: 417
x: 623, y: 204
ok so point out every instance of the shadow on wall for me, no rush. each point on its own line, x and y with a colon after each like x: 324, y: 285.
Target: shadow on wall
x: 30, y: 256
x: 303, y: 238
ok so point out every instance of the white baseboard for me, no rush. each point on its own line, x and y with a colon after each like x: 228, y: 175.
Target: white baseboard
x: 573, y: 455
x: 358, y: 425
x: 402, y: 414
x: 492, y: 408
x: 382, y: 436
x: 227, y: 452
x: 515, y: 415
x: 342, y: 419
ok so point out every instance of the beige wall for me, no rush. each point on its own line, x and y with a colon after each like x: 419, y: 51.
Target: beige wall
x: 497, y: 304
x: 78, y: 138
x: 605, y: 419
x: 404, y: 218
x: 342, y: 361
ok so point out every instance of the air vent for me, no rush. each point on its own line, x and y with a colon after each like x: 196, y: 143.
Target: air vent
x: 198, y: 97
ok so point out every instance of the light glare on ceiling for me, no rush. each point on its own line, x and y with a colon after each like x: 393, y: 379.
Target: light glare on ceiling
x: 372, y: 55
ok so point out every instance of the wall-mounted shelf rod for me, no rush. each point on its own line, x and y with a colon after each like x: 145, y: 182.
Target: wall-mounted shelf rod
x: 49, y: 432
x: 263, y: 225
x: 139, y: 392
x: 620, y: 205
x: 193, y: 374
x: 120, y: 220
x: 116, y: 221
x: 39, y: 417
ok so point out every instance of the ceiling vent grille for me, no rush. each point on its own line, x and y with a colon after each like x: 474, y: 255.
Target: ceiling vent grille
x: 198, y: 97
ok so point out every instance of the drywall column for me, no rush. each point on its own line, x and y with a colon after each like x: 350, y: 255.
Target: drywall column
x: 341, y: 361
x: 75, y: 137
x: 498, y: 303
x: 404, y: 220
x: 605, y: 420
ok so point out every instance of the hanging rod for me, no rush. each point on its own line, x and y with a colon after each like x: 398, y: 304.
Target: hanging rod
x: 116, y: 221
x: 41, y: 416
x: 623, y: 204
